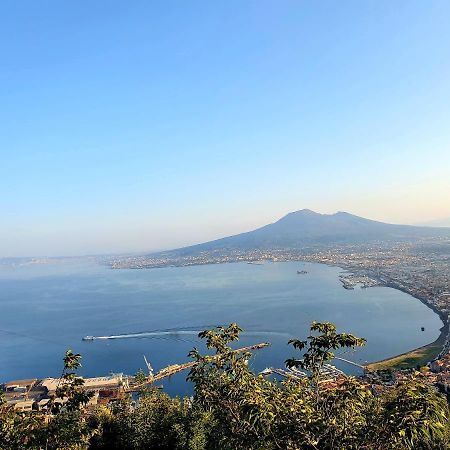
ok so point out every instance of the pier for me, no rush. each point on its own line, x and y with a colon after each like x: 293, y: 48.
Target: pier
x: 327, y: 373
x: 351, y: 362
x: 175, y: 368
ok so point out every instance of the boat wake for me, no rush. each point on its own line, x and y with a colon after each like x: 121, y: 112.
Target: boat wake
x: 174, y: 334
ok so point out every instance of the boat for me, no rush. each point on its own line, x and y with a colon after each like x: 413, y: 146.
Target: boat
x: 302, y: 272
x: 422, y: 328
x: 88, y: 338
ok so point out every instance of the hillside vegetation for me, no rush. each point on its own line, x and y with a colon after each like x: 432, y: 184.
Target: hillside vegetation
x: 232, y: 408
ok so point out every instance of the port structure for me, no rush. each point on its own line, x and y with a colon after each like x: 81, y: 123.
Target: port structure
x: 351, y: 362
x: 149, y: 367
x: 175, y: 368
x: 327, y: 373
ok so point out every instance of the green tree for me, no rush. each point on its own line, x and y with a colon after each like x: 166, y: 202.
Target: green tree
x: 319, y: 347
x: 157, y: 422
x: 19, y: 430
x: 242, y: 407
x: 66, y: 427
x: 70, y: 387
x: 414, y: 416
x: 61, y: 427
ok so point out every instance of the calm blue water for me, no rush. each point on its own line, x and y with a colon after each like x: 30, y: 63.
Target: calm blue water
x: 47, y: 309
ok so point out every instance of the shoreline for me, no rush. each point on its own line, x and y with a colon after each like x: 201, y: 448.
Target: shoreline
x: 417, y: 356
x: 421, y: 355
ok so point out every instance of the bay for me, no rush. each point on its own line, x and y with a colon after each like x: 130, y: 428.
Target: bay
x: 45, y: 309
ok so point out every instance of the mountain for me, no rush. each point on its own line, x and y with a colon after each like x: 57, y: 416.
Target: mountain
x: 307, y: 228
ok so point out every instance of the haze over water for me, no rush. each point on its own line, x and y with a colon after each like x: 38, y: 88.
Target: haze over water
x: 49, y: 308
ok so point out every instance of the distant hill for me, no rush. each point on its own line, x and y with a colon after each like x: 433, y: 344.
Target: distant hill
x: 307, y: 228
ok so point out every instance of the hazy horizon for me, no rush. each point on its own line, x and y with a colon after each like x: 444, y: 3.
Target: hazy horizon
x: 183, y: 242
x: 142, y: 126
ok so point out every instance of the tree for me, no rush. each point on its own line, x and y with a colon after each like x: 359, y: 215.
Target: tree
x: 157, y: 422
x: 60, y: 427
x: 241, y: 406
x: 70, y: 386
x: 66, y: 427
x: 18, y: 430
x: 319, y: 347
x: 414, y: 416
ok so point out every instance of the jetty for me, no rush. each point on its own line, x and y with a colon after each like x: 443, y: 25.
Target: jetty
x: 175, y: 368
x: 350, y: 362
x: 327, y: 373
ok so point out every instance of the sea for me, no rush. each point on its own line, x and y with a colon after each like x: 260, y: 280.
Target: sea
x: 46, y: 309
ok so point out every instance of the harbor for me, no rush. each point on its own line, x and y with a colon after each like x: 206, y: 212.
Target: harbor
x: 350, y: 281
x: 34, y: 394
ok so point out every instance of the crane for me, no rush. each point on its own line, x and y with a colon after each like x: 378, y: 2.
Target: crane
x: 149, y: 367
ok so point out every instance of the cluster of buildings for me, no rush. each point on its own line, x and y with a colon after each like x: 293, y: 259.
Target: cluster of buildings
x: 34, y: 394
x: 436, y: 375
x: 441, y: 369
x: 174, y: 259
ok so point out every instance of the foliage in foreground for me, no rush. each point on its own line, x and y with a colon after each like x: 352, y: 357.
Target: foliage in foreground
x: 232, y: 408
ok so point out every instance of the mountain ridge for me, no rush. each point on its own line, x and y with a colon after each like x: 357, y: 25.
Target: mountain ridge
x: 306, y: 227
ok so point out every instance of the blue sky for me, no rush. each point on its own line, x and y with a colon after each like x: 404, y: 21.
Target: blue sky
x: 130, y: 126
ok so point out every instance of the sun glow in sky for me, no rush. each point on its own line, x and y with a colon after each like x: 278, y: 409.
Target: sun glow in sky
x: 133, y: 126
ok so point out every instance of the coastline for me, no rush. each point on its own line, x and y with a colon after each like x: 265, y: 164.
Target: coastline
x: 419, y: 356
x: 422, y: 355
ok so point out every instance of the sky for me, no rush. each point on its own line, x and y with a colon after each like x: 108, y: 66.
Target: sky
x: 145, y: 125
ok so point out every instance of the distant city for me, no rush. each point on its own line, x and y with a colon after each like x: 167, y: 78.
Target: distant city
x: 419, y: 268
